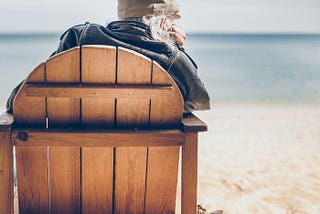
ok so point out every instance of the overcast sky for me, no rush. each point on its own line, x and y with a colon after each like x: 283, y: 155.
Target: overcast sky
x: 295, y: 16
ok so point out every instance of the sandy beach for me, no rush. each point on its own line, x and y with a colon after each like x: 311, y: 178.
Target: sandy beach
x: 260, y: 158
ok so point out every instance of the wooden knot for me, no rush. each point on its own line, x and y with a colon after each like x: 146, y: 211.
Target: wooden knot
x: 23, y: 136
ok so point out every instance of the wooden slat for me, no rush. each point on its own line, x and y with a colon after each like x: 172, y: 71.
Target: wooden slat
x: 189, y: 178
x: 32, y: 176
x: 98, y: 91
x: 6, y: 173
x: 98, y: 139
x: 98, y: 67
x: 131, y: 161
x: 36, y: 114
x: 98, y: 64
x: 65, y: 68
x: 97, y: 180
x: 64, y: 112
x: 130, y: 180
x: 162, y: 179
x: 133, y: 69
x: 32, y: 190
x: 191, y: 123
x: 165, y: 111
x: 65, y: 180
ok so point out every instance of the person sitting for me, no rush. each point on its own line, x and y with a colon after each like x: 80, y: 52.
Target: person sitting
x: 147, y: 27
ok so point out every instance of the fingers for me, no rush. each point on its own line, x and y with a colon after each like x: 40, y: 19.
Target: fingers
x: 179, y: 39
x: 178, y: 34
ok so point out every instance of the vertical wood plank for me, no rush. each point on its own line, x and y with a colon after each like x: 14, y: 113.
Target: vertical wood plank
x: 165, y: 111
x: 189, y: 174
x: 6, y: 173
x: 162, y: 179
x: 64, y: 68
x: 130, y: 180
x: 133, y: 69
x: 65, y: 180
x: 36, y: 114
x: 31, y: 162
x: 64, y: 112
x: 97, y: 180
x: 32, y: 179
x: 98, y: 66
x: 130, y: 174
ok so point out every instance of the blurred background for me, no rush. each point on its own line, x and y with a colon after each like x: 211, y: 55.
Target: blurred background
x: 260, y: 61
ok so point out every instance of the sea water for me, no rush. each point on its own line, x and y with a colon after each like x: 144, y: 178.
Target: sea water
x: 234, y: 67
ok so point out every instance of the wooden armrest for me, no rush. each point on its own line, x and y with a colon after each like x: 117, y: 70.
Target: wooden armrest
x: 6, y: 121
x: 191, y: 123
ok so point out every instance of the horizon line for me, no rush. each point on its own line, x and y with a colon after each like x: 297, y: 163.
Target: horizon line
x: 190, y: 33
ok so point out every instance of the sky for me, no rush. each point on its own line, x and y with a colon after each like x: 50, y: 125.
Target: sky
x: 222, y: 16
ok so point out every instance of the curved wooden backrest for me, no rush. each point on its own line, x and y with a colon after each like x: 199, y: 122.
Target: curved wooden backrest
x: 98, y: 86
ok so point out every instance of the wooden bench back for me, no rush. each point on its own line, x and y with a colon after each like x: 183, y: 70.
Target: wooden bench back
x: 97, y: 87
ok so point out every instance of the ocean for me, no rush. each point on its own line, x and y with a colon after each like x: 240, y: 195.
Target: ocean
x: 234, y: 67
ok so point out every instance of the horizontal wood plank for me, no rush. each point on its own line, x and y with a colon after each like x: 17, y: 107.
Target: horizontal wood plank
x: 98, y: 139
x: 91, y: 90
x: 191, y: 123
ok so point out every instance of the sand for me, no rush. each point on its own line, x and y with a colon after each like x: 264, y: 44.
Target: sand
x: 261, y: 158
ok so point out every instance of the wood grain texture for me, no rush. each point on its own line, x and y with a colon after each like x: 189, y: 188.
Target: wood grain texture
x: 189, y: 178
x: 97, y: 180
x: 31, y: 162
x: 36, y: 114
x: 65, y: 68
x: 191, y: 123
x: 98, y: 91
x: 162, y: 179
x: 64, y: 112
x: 133, y: 69
x: 130, y: 178
x: 113, y: 138
x: 98, y: 66
x: 6, y: 173
x: 32, y: 177
x: 165, y: 110
x: 65, y: 180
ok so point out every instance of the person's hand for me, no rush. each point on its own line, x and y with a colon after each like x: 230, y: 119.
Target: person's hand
x: 174, y: 30
x: 178, y: 34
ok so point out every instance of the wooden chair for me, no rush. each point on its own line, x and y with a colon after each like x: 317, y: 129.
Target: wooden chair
x: 98, y: 129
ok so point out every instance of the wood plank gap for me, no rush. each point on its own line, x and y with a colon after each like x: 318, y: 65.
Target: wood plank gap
x: 80, y: 66
x: 149, y: 116
x: 48, y: 173
x: 117, y: 60
x: 146, y: 182
x: 115, y: 113
x: 80, y: 111
x: 46, y: 109
x: 80, y: 179
x: 114, y: 181
x: 151, y: 78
